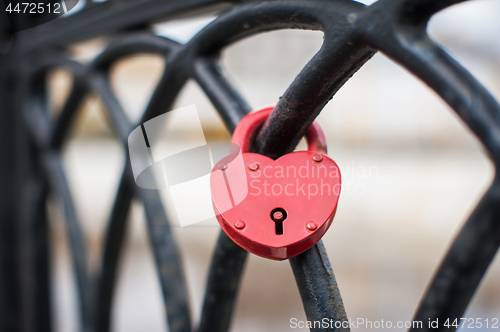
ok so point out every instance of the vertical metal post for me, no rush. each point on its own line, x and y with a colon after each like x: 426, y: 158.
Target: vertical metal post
x: 33, y: 237
x: 9, y: 278
x: 24, y: 236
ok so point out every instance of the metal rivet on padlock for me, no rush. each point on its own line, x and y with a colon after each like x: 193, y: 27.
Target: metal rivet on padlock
x: 311, y: 226
x: 239, y: 224
x: 317, y: 158
x: 253, y: 167
x: 290, y: 202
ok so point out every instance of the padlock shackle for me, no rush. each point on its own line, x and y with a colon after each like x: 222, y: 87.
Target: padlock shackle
x: 316, y: 140
x: 244, y: 134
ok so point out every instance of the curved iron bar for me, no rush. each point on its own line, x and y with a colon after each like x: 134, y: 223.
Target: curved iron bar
x: 229, y: 103
x: 398, y: 29
x: 113, y: 243
x: 163, y: 244
x: 59, y: 185
x: 243, y: 22
x: 167, y: 89
x: 164, y: 248
x: 482, y: 107
x: 406, y: 42
x: 112, y: 17
x: 330, y: 305
x: 77, y: 95
x: 228, y: 262
x: 39, y: 123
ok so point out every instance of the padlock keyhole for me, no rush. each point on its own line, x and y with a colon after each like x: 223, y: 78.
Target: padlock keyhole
x: 278, y: 215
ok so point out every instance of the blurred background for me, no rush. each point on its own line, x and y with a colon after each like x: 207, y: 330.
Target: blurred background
x: 412, y: 173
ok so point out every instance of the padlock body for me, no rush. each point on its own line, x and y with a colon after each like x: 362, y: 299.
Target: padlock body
x: 307, y: 191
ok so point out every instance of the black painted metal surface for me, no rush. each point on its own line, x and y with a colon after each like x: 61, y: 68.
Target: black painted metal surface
x: 9, y: 251
x: 353, y: 33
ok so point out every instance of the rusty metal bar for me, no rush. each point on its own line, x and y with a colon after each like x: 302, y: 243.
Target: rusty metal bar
x: 309, y: 269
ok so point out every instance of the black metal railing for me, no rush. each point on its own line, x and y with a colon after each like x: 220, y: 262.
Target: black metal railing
x: 32, y: 168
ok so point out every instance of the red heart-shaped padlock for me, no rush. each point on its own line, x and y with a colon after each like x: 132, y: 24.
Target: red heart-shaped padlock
x: 275, y: 208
